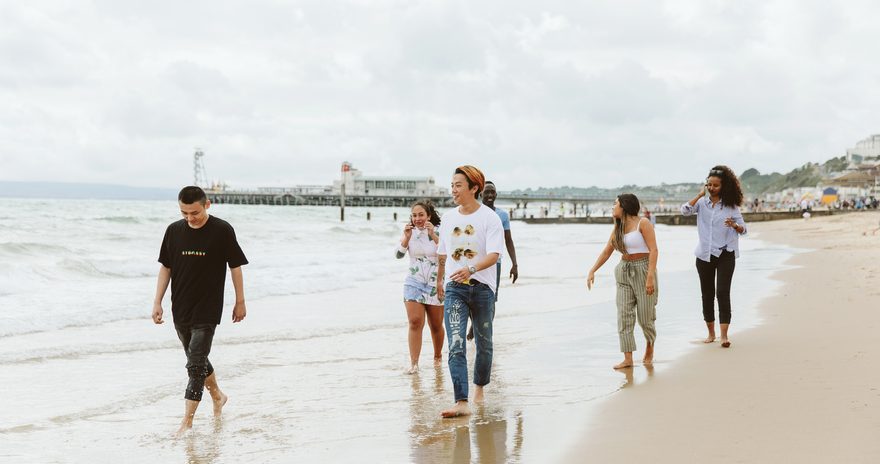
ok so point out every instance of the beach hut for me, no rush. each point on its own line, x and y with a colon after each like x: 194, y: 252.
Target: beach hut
x: 829, y: 196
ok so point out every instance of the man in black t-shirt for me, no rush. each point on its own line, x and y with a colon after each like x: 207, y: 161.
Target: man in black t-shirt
x: 194, y: 255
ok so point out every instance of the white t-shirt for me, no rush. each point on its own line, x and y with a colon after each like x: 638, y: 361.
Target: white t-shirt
x: 467, y: 239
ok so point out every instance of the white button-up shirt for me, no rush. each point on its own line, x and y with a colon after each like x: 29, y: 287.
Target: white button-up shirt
x: 714, y: 235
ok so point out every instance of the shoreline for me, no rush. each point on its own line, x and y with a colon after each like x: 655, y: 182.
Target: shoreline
x: 796, y: 387
x: 676, y: 219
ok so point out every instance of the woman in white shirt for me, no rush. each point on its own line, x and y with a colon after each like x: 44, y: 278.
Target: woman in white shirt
x: 636, y: 276
x: 420, y: 287
x: 719, y: 225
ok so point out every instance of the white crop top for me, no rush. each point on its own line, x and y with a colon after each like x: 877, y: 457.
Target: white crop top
x: 635, y: 242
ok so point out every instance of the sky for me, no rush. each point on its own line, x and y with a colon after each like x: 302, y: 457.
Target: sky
x: 549, y: 93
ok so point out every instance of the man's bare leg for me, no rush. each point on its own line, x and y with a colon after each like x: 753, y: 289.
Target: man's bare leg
x: 711, y: 337
x: 217, y: 395
x: 461, y: 408
x: 479, y: 396
x: 725, y: 342
x: 189, y: 411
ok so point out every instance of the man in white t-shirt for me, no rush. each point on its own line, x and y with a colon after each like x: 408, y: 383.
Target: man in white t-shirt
x: 472, y: 237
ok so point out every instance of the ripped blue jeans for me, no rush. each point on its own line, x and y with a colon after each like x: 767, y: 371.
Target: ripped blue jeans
x: 476, y: 301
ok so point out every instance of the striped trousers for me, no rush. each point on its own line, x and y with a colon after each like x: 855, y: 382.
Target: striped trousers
x: 633, y: 302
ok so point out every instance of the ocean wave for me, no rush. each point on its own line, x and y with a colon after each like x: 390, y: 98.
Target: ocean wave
x: 343, y: 230
x: 121, y: 219
x: 98, y: 349
x: 366, y: 231
x: 14, y: 249
x: 90, y: 269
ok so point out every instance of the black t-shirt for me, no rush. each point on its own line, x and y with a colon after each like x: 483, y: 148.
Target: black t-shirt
x: 198, y: 260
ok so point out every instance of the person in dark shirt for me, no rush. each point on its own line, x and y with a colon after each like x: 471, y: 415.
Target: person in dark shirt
x: 194, y: 255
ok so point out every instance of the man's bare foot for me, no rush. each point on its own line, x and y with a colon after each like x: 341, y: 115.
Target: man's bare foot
x: 709, y: 339
x: 725, y: 343
x: 219, y: 403
x: 183, y: 430
x: 479, y: 396
x: 624, y: 365
x: 414, y: 369
x: 460, y: 409
x: 438, y: 360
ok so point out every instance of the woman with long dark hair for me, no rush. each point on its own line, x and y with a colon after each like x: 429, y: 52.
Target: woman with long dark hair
x: 719, y: 225
x: 636, y: 276
x: 420, y: 287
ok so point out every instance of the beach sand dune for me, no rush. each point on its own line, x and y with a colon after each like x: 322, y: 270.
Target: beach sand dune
x: 801, y: 387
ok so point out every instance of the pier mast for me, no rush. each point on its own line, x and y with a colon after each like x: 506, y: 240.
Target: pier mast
x: 200, y: 176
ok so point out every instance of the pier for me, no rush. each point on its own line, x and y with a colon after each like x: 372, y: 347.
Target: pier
x: 521, y: 201
x: 292, y: 199
x: 400, y: 192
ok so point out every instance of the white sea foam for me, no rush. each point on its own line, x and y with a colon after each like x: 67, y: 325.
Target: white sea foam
x: 73, y: 262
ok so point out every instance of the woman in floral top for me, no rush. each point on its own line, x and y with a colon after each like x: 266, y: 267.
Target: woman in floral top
x: 420, y: 287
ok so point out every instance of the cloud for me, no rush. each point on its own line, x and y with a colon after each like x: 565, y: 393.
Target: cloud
x: 549, y: 93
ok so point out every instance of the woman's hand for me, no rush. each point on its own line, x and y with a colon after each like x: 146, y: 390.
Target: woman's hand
x: 590, y: 279
x: 432, y: 234
x: 407, y: 231
x: 649, y: 284
x: 730, y: 222
x: 441, y: 293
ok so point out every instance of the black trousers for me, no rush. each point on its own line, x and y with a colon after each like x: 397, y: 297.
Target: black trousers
x: 722, y: 267
x: 196, y: 340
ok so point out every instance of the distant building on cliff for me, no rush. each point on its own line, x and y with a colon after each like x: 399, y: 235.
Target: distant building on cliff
x: 867, y: 148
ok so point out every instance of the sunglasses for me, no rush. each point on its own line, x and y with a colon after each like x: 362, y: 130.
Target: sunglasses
x: 716, y: 172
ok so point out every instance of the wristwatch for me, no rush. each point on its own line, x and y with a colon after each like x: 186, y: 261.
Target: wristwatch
x: 472, y: 269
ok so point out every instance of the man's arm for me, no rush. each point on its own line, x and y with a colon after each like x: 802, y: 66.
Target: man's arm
x: 511, y: 251
x: 463, y: 274
x: 239, y: 311
x: 161, y: 287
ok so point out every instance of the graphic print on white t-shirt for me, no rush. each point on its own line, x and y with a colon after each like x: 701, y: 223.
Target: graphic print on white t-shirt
x: 464, y: 245
x: 467, y: 238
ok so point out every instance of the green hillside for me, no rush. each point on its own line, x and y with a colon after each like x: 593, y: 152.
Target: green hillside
x: 808, y: 175
x: 753, y: 182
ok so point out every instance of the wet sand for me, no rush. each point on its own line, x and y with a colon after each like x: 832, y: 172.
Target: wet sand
x: 801, y: 387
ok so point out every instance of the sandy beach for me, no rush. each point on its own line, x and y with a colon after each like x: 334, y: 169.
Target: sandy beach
x: 800, y: 387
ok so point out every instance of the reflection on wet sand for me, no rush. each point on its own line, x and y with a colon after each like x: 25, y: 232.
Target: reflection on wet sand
x: 482, y: 437
x: 204, y: 448
x: 629, y: 374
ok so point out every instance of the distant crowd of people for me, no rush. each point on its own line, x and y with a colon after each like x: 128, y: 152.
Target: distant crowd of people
x: 754, y: 205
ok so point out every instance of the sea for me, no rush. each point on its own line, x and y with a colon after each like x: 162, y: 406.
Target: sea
x: 316, y: 372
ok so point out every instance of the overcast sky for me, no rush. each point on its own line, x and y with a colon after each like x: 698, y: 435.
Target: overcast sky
x: 542, y: 93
